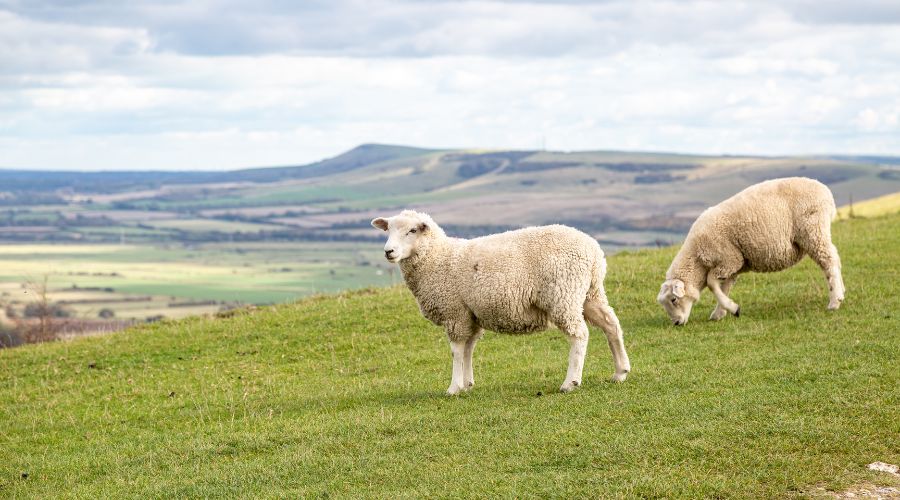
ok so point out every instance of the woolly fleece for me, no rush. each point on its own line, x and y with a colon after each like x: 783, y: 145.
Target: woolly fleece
x: 767, y: 227
x: 515, y: 282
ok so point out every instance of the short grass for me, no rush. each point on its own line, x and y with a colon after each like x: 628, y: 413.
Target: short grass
x: 343, y: 396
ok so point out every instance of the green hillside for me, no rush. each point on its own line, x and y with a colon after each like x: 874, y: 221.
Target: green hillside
x: 343, y: 396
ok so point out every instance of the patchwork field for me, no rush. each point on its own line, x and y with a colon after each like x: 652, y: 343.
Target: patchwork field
x: 342, y: 396
x: 139, y: 282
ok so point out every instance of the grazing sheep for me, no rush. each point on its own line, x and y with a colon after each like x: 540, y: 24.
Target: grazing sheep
x: 514, y: 282
x: 767, y: 227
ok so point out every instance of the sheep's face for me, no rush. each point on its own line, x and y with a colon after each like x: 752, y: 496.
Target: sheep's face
x: 676, y: 301
x: 404, y: 233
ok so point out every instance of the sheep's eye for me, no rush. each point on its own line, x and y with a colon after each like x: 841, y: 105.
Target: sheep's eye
x: 412, y: 231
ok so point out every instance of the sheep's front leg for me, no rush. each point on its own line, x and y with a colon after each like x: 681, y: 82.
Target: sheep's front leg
x: 577, y: 352
x: 578, y: 342
x: 719, y: 312
x: 715, y: 284
x: 457, y: 382
x: 468, y: 370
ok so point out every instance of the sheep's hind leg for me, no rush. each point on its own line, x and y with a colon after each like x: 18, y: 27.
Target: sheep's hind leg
x: 830, y: 262
x: 835, y: 281
x: 816, y: 242
x: 599, y: 313
x: 719, y: 312
x: 715, y: 284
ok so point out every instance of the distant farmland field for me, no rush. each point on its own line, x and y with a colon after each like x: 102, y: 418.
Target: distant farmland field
x: 141, y: 281
x: 212, y: 225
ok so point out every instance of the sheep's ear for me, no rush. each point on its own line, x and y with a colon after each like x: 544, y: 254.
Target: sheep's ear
x: 380, y: 223
x: 678, y: 288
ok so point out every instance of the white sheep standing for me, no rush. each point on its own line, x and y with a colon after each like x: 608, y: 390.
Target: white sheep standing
x: 767, y: 227
x: 515, y: 282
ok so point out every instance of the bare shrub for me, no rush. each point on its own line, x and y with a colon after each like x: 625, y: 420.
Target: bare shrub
x: 40, y: 321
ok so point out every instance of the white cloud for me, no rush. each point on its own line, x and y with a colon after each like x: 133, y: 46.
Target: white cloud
x: 134, y: 85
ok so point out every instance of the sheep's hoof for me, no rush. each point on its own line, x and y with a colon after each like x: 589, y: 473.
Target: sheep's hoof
x: 619, y: 377
x: 737, y: 312
x: 453, y: 390
x: 569, y: 386
x: 834, y: 304
x: 717, y: 314
x: 469, y: 386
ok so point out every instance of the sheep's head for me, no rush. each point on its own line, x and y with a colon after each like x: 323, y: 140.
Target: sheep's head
x: 409, y: 234
x: 677, y: 300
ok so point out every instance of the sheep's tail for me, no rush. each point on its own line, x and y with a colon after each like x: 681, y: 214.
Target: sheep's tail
x: 832, y: 206
x: 598, y: 273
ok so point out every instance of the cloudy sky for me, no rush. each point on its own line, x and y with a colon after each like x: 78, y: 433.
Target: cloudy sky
x: 224, y: 84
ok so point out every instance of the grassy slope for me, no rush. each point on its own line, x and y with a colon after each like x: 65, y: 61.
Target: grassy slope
x: 343, y: 396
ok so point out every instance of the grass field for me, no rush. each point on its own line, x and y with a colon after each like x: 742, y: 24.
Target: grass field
x: 343, y: 396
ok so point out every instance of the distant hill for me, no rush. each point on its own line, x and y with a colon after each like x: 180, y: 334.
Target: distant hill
x: 48, y: 181
x: 358, y: 157
x: 114, y: 181
x: 622, y: 198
